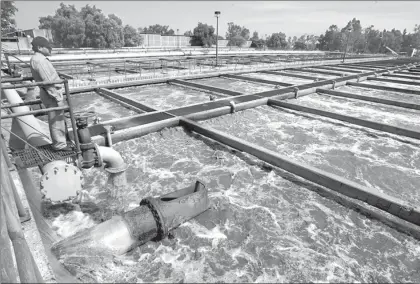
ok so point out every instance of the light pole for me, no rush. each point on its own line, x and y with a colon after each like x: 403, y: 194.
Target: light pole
x: 349, y: 29
x: 177, y: 37
x: 217, y: 14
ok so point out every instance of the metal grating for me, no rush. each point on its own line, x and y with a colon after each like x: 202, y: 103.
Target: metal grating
x: 30, y: 157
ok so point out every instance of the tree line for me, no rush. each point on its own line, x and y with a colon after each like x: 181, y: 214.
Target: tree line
x: 89, y: 27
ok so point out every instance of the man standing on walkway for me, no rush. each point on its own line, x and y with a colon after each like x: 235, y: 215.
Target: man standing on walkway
x: 50, y: 95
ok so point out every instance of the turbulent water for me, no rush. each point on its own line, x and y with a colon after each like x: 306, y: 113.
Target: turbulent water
x: 392, y: 115
x: 101, y: 106
x: 164, y: 96
x: 284, y: 79
x: 408, y: 98
x: 235, y: 85
x: 266, y: 225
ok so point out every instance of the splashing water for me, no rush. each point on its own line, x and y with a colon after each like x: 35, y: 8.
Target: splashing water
x: 264, y: 225
x: 117, y: 187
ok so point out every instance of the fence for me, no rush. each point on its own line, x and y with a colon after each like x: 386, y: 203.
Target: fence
x: 208, y: 69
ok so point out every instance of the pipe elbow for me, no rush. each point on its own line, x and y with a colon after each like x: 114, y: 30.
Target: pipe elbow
x: 114, y: 163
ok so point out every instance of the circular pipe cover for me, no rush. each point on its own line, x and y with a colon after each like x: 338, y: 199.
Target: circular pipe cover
x: 61, y: 181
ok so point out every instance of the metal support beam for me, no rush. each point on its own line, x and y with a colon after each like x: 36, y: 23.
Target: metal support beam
x: 394, y: 81
x: 355, y: 66
x: 131, y: 102
x: 349, y: 119
x: 312, y: 70
x: 331, y: 68
x: 205, y: 87
x: 407, y: 73
x: 402, y: 76
x: 369, y: 99
x: 351, y: 189
x: 288, y: 74
x: 386, y: 88
x: 244, y: 78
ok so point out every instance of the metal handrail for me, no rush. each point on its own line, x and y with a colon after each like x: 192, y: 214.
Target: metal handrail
x: 35, y: 112
x: 43, y: 83
x: 32, y: 102
x: 47, y: 110
x: 18, y: 79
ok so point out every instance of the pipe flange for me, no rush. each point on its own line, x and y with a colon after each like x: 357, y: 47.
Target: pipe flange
x: 333, y: 84
x: 115, y: 170
x: 232, y: 106
x: 162, y: 229
x: 296, y: 90
x: 358, y: 78
x: 61, y: 181
x: 86, y: 146
x: 97, y: 156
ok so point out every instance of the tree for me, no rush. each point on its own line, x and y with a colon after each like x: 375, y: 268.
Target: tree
x: 236, y: 34
x: 131, y: 37
x: 67, y: 28
x: 299, y: 45
x: 256, y: 41
x: 95, y: 23
x: 188, y: 33
x: 277, y: 40
x: 373, y: 40
x: 114, y: 31
x: 203, y: 35
x: 158, y: 29
x: 8, y: 23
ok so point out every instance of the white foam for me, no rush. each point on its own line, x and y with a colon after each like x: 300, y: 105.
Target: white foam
x: 71, y: 223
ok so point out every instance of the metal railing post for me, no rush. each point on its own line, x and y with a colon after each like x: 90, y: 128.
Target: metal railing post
x: 73, y: 121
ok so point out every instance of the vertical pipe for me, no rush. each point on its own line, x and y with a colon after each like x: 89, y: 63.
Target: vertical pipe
x: 8, y: 63
x: 217, y: 38
x: 28, y: 272
x: 125, y: 72
x: 73, y: 122
x: 109, y: 71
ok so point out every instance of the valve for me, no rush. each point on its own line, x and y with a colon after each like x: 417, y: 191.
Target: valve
x: 90, y: 152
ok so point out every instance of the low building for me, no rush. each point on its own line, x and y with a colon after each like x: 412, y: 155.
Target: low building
x: 157, y: 40
x: 39, y: 32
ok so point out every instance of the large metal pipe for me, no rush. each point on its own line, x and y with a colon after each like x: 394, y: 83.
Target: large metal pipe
x: 114, y: 163
x: 153, y: 219
x: 26, y: 127
x: 115, y: 166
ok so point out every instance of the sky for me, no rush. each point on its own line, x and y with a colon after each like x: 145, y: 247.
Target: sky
x: 294, y: 18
